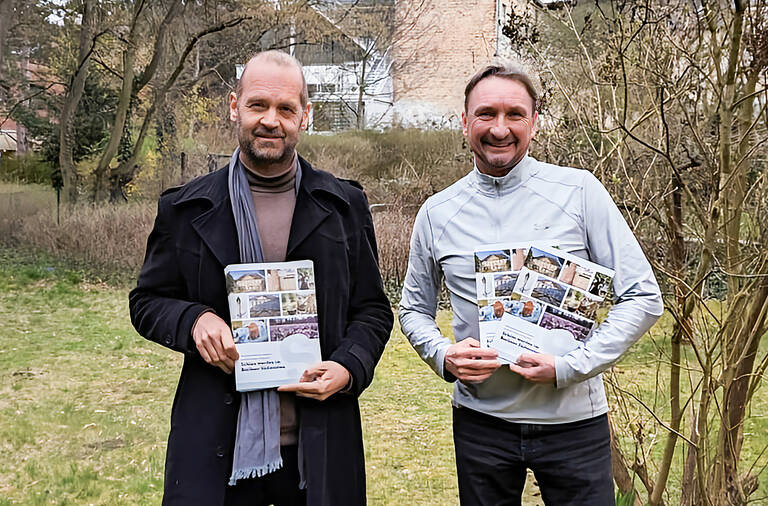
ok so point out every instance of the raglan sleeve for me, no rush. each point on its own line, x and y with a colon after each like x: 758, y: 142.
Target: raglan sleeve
x: 418, y: 304
x: 638, y: 302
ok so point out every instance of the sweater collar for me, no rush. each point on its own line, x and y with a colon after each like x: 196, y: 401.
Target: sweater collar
x: 492, y: 185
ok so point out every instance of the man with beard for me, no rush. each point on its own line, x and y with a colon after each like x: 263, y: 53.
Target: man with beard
x: 303, y: 444
x: 544, y: 413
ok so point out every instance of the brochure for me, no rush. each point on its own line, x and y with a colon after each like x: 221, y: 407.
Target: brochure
x: 273, y: 310
x: 537, y: 299
x: 497, y: 267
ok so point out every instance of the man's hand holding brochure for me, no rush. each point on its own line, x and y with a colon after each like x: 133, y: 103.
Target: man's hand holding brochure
x: 536, y: 302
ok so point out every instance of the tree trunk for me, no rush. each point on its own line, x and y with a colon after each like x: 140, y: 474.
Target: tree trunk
x: 71, y: 102
x: 6, y: 7
x: 745, y: 334
x: 105, y: 181
x: 126, y: 171
x: 361, y: 95
x: 680, y: 333
x: 102, y: 172
x: 620, y: 470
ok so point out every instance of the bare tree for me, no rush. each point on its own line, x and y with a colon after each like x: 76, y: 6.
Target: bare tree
x: 71, y: 101
x: 666, y: 103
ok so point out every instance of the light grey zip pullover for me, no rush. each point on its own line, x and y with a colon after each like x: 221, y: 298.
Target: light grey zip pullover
x: 534, y: 201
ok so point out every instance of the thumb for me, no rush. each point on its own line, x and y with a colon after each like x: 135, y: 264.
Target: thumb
x: 471, y: 342
x: 527, y: 360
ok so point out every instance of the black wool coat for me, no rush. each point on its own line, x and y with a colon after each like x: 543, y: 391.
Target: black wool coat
x: 193, y: 238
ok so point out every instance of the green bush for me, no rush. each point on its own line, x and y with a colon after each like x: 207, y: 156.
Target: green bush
x: 399, y: 166
x: 28, y: 168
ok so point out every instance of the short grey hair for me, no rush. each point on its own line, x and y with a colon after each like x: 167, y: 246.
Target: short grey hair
x: 279, y: 58
x: 506, y: 70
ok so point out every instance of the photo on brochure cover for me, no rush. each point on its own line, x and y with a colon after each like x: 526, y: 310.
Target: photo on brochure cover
x: 493, y: 261
x: 581, y: 303
x: 306, y: 303
x: 526, y: 282
x: 283, y: 328
x: 576, y: 275
x: 601, y: 286
x: 555, y: 318
x: 289, y: 304
x: 494, y: 309
x: 484, y: 285
x: 549, y: 291
x: 306, y: 278
x: 518, y: 258
x: 504, y: 284
x: 267, y: 304
x: 526, y: 309
x: 544, y: 263
x: 253, y: 331
x: 246, y: 281
x: 282, y: 280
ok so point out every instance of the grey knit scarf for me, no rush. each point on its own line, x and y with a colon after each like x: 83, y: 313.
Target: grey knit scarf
x: 257, y: 442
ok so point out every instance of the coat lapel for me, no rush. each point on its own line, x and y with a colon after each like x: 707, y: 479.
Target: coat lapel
x: 216, y: 228
x: 307, y: 216
x: 312, y: 205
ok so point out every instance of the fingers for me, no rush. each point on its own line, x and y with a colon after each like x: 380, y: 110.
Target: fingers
x: 539, y: 367
x: 525, y: 372
x: 228, y: 343
x: 319, y: 381
x: 312, y: 389
x: 312, y: 373
x: 475, y: 378
x: 469, y: 362
x: 470, y: 348
x: 474, y: 370
x: 214, y: 342
x: 528, y: 360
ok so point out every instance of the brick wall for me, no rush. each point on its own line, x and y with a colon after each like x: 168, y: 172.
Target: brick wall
x: 447, y: 42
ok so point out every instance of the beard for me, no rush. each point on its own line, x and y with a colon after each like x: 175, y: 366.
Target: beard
x: 258, y: 155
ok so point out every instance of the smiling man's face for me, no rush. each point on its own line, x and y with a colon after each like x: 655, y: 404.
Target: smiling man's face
x: 269, y: 115
x: 499, y: 123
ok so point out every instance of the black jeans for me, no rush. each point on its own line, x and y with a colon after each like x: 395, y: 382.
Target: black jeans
x: 571, y: 461
x: 280, y: 487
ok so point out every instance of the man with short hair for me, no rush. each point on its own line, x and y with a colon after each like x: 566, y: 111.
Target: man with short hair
x: 544, y: 413
x: 302, y: 445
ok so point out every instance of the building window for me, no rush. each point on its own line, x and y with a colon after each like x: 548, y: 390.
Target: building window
x: 332, y: 116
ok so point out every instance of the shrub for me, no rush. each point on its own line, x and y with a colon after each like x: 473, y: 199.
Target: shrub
x: 393, y: 234
x: 107, y: 236
x: 28, y: 168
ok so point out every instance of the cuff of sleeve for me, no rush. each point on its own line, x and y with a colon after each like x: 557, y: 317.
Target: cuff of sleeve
x: 184, y: 341
x: 350, y: 384
x: 352, y: 363
x: 562, y: 378
x: 440, y: 365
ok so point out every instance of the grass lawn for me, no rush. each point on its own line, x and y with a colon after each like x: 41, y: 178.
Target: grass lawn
x: 85, y: 402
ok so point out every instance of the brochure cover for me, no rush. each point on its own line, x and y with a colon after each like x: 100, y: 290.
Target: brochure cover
x: 540, y: 300
x: 274, y: 322
x: 497, y: 267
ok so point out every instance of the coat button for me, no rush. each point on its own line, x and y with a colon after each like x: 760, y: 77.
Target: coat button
x: 228, y: 399
x: 219, y: 451
x: 168, y: 340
